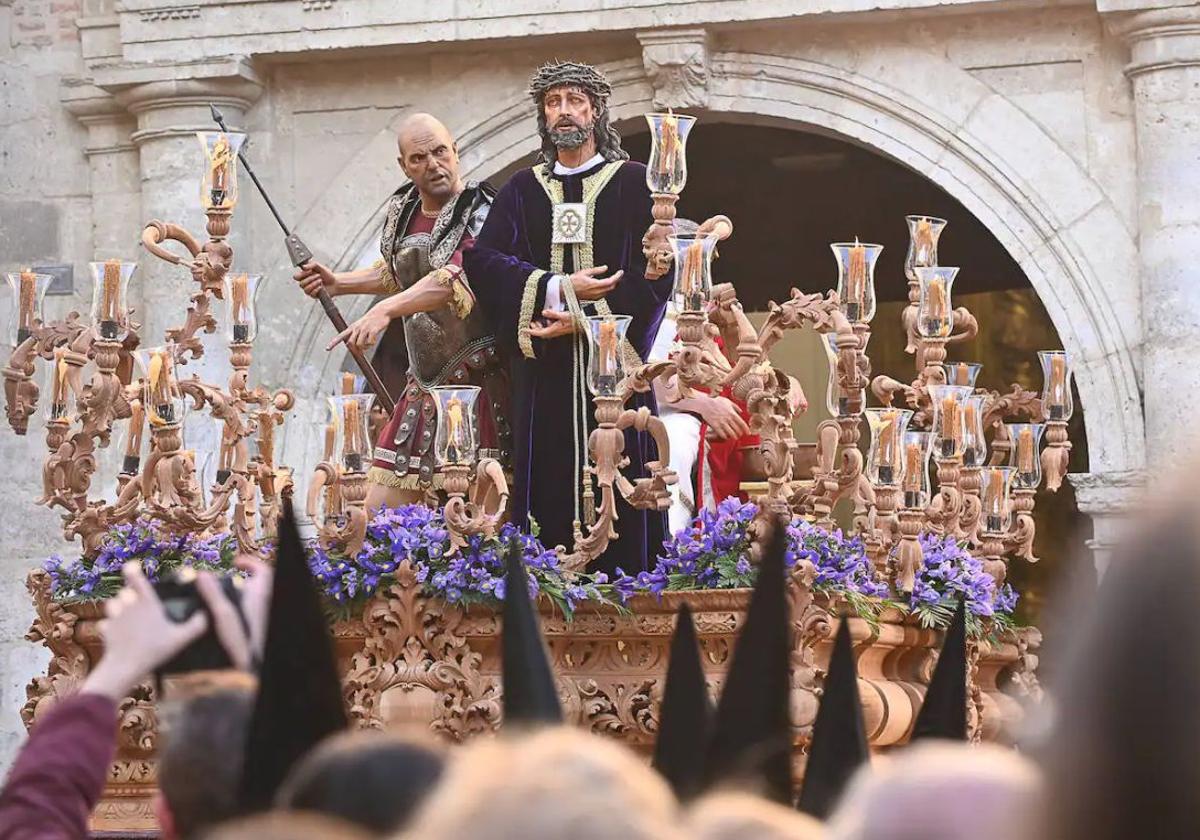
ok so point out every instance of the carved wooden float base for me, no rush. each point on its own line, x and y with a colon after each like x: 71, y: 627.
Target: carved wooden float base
x: 416, y: 660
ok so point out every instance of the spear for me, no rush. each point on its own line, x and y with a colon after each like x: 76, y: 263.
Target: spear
x: 299, y: 254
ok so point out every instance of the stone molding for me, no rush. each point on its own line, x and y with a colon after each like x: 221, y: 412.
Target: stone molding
x: 1159, y: 39
x: 156, y: 31
x: 1040, y: 203
x: 676, y: 63
x: 109, y: 124
x: 1109, y: 493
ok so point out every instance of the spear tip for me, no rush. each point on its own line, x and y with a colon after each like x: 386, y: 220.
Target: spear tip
x: 216, y: 115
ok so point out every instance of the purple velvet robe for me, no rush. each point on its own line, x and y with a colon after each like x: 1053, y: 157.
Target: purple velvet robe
x: 514, y: 242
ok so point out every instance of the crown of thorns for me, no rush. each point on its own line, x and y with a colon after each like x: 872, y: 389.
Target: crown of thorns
x: 569, y: 73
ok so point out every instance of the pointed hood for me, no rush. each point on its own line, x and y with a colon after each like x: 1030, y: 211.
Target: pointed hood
x: 530, y: 695
x: 839, y: 739
x: 299, y: 699
x: 685, y: 717
x: 944, y: 712
x: 752, y: 738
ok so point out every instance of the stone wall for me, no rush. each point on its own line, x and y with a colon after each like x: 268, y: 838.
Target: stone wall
x: 1027, y: 117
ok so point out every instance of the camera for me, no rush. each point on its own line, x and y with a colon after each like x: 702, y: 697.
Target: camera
x: 181, y: 600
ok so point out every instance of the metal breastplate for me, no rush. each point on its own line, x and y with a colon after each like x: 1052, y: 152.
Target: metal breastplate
x: 438, y: 340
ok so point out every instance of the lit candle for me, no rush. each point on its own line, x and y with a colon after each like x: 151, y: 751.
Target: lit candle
x: 330, y: 436
x: 26, y: 305
x: 110, y: 301
x: 924, y: 243
x: 1025, y: 451
x: 1057, y: 392
x: 668, y: 147
x: 133, y: 443
x: 912, y: 468
x: 351, y: 445
x: 970, y: 418
x: 951, y: 426
x: 162, y: 411
x: 888, y: 452
x: 347, y: 383
x: 455, y: 437
x: 608, y: 348
x: 239, y: 288
x: 220, y: 161
x: 856, y: 281
x: 995, y: 501
x: 935, y: 305
x: 964, y: 374
x: 59, y: 386
x: 692, y: 275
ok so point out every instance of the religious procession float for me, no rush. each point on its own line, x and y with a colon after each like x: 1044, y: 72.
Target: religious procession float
x: 938, y: 494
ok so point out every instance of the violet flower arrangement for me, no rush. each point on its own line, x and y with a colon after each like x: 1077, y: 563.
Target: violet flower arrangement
x: 715, y: 554
x: 144, y: 540
x: 471, y: 575
x: 949, y: 572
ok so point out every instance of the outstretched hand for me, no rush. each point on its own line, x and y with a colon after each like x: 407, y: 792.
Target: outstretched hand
x: 589, y: 285
x: 554, y: 324
x: 365, y: 332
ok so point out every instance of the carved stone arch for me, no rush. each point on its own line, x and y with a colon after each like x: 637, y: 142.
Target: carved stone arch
x: 1043, y: 207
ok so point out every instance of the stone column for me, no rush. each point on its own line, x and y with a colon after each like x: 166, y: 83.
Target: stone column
x: 113, y: 177
x: 1111, y: 499
x: 1164, y: 70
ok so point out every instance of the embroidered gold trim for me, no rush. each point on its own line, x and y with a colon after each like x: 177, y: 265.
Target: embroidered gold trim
x: 525, y: 318
x: 412, y: 481
x: 386, y: 278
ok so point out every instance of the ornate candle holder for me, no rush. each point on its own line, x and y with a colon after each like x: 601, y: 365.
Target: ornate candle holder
x: 456, y: 449
x: 1058, y: 406
x: 885, y: 471
x: 856, y: 279
x: 666, y: 176
x: 160, y: 482
x: 607, y: 365
x: 349, y: 415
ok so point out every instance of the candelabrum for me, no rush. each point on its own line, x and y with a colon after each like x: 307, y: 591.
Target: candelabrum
x: 994, y: 520
x: 164, y: 485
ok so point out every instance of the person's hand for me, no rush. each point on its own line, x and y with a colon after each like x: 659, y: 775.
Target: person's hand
x: 589, y: 285
x: 313, y: 277
x: 138, y: 637
x: 364, y: 332
x: 245, y: 651
x: 554, y: 324
x: 797, y: 402
x: 724, y: 420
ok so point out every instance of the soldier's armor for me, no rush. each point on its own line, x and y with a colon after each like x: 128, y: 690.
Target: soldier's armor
x: 437, y: 341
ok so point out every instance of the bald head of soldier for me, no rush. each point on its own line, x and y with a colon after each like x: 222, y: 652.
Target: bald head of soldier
x: 429, y: 157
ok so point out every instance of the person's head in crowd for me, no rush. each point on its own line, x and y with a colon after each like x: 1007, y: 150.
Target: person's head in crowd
x: 1120, y: 749
x: 197, y: 780
x: 941, y: 790
x: 545, y: 785
x: 375, y: 780
x: 743, y: 816
x: 287, y: 826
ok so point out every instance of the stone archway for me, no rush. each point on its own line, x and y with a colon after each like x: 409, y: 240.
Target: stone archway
x: 973, y: 143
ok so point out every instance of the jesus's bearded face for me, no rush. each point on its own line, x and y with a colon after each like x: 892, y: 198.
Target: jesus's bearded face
x: 570, y: 116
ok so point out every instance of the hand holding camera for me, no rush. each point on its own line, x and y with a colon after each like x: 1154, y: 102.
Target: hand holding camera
x: 202, y: 622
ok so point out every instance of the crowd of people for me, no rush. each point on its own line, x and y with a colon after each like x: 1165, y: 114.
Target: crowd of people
x: 263, y: 749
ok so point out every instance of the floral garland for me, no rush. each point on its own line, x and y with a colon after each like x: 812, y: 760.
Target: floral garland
x: 471, y: 575
x: 144, y: 540
x: 713, y: 554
